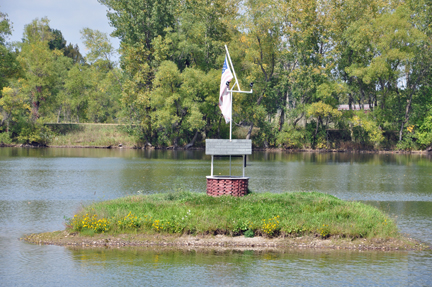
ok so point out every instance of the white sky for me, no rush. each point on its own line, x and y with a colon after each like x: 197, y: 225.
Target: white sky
x: 68, y: 16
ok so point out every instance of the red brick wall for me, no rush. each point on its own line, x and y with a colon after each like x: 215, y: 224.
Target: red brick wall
x: 232, y: 186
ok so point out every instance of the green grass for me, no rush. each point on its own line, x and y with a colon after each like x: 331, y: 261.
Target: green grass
x: 286, y: 214
x: 91, y: 135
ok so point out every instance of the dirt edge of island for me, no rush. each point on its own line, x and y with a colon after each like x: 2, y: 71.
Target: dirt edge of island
x: 64, y: 238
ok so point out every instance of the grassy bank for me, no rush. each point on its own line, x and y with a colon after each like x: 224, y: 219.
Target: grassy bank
x: 112, y: 135
x: 101, y: 135
x: 268, y: 215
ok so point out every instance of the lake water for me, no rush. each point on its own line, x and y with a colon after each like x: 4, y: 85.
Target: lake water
x: 39, y: 187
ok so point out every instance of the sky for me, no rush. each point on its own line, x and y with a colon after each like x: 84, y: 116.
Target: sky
x: 68, y: 16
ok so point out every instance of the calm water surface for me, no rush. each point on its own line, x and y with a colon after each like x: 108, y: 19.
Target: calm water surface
x: 38, y: 187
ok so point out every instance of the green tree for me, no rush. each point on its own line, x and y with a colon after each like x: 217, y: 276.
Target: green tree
x: 263, y: 43
x: 106, y: 79
x: 323, y: 114
x: 99, y: 46
x: 393, y: 46
x: 138, y: 22
x: 200, y: 90
x: 73, y: 52
x: 9, y: 67
x: 58, y: 42
x: 74, y: 99
x: 104, y: 95
x: 13, y: 105
x: 197, y: 38
x: 44, y: 71
x: 37, y: 60
x: 5, y: 28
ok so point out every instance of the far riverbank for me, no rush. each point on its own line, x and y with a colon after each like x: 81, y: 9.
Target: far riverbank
x: 121, y: 146
x: 111, y: 136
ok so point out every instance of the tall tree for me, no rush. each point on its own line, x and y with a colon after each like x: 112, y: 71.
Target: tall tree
x: 38, y: 63
x: 99, y: 47
x: 200, y: 30
x: 9, y: 67
x: 139, y: 22
x: 58, y: 42
x: 73, y: 52
x: 136, y: 24
x: 5, y: 28
x: 393, y: 45
x: 261, y: 39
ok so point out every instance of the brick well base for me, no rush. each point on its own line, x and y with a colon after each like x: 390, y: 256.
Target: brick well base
x: 227, y: 185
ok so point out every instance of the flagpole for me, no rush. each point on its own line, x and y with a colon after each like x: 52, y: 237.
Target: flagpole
x: 236, y: 83
x: 232, y: 90
x: 235, y: 76
x: 231, y: 117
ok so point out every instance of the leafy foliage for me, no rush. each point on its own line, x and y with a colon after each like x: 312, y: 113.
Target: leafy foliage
x: 305, y: 58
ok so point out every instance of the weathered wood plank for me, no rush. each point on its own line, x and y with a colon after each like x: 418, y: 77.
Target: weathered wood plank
x: 227, y: 147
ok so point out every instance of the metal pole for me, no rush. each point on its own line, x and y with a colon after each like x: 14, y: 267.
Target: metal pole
x: 230, y: 165
x: 244, y: 92
x: 211, y: 172
x: 231, y: 91
x: 235, y: 76
x: 243, y: 166
x: 231, y: 119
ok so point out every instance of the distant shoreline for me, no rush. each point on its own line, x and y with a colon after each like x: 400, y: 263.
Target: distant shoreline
x: 423, y: 152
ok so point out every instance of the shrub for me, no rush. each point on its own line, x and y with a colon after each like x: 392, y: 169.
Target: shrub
x: 291, y: 137
x: 408, y: 141
x: 249, y: 233
x: 5, y: 138
x: 365, y: 129
x: 35, y: 133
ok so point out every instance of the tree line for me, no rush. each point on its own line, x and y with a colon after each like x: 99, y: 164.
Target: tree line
x: 305, y: 58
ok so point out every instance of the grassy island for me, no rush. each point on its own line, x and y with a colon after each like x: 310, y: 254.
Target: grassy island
x: 268, y: 216
x: 264, y: 214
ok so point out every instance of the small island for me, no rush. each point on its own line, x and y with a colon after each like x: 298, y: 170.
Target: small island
x: 257, y: 221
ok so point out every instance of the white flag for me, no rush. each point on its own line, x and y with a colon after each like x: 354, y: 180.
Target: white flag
x: 224, y: 95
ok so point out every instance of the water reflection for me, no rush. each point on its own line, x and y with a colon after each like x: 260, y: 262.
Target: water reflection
x: 240, y: 268
x: 346, y: 158
x: 98, y: 153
